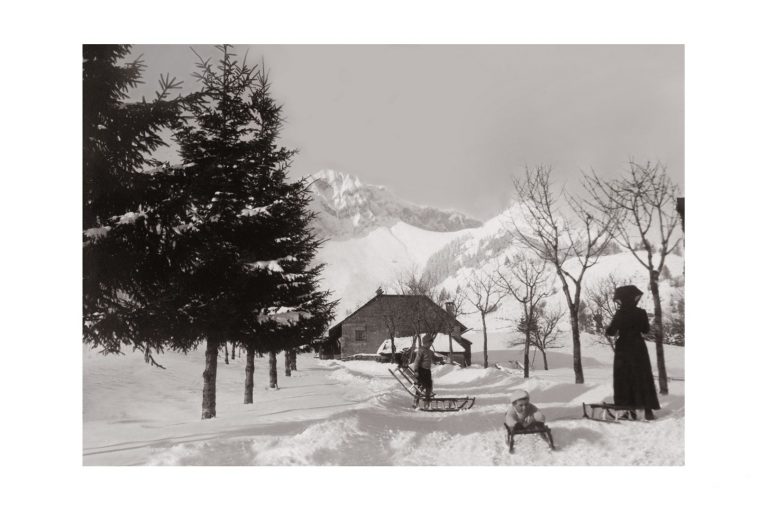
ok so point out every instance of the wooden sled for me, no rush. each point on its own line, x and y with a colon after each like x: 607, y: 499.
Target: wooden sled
x: 433, y: 403
x: 610, y: 412
x: 544, y: 431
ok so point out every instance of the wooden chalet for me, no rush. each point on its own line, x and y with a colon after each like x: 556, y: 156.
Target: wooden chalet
x: 363, y: 331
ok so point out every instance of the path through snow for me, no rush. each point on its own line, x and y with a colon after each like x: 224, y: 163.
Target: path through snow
x: 353, y: 413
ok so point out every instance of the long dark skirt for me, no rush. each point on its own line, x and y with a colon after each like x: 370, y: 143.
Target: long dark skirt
x: 633, y: 383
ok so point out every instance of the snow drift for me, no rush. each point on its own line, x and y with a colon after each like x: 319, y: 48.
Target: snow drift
x: 354, y: 413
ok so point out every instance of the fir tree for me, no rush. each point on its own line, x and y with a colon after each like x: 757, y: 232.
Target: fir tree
x: 251, y: 281
x: 296, y: 311
x: 126, y: 214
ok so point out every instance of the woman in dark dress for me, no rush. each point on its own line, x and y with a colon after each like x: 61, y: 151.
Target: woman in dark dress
x: 632, y: 374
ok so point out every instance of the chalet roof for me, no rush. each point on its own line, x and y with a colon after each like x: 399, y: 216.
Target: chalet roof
x: 400, y: 302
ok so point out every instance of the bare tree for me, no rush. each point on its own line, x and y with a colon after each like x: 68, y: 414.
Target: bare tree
x: 582, y: 236
x: 413, y: 282
x: 547, y: 330
x: 525, y: 278
x: 600, y: 300
x: 457, y: 301
x: 646, y: 200
x: 420, y: 317
x: 484, y: 293
x: 395, y: 317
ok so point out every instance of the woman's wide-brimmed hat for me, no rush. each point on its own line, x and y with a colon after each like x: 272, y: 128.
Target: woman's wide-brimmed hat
x: 627, y: 293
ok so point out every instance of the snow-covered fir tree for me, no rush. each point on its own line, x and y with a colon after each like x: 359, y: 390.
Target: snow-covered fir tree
x: 125, y: 261
x: 251, y: 282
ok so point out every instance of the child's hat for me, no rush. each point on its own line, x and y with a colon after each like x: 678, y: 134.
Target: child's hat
x: 518, y: 394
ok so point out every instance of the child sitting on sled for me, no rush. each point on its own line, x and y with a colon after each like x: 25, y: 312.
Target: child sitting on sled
x: 523, y: 415
x: 525, y: 418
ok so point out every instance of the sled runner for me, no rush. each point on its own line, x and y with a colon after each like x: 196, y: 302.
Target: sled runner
x: 610, y: 412
x: 544, y: 431
x: 433, y: 403
x: 509, y: 366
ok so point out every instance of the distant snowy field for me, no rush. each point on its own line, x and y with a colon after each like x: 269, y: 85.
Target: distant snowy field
x: 354, y: 413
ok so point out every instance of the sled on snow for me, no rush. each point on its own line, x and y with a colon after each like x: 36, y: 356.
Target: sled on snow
x: 509, y: 367
x: 611, y: 413
x: 544, y: 431
x: 433, y: 403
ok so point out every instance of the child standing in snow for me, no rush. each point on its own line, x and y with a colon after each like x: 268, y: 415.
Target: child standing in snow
x: 523, y: 414
x: 422, y: 366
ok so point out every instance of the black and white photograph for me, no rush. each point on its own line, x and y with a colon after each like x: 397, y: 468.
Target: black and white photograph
x: 373, y: 256
x: 383, y: 255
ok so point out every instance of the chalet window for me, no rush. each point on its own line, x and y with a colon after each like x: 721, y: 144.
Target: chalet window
x: 359, y: 335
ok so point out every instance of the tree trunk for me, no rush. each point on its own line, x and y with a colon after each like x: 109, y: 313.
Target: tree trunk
x: 412, y: 352
x: 658, y: 331
x: 577, y: 370
x: 249, y: 353
x: 287, y: 361
x: 544, y: 355
x: 526, y: 362
x: 226, y: 353
x: 450, y: 348
x: 272, y: 369
x: 293, y: 360
x: 233, y: 350
x: 209, y: 378
x: 485, y: 343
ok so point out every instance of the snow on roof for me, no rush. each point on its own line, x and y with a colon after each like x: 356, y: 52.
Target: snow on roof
x: 439, y: 345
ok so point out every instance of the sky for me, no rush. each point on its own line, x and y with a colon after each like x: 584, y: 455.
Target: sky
x: 451, y: 125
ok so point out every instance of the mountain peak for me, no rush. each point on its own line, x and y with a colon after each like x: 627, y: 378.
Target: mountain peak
x: 339, y: 180
x: 348, y: 207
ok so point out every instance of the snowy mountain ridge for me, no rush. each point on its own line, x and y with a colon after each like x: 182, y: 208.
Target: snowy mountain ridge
x: 347, y: 207
x: 372, y: 241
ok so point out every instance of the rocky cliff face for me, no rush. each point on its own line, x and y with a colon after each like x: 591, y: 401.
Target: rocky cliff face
x: 348, y: 208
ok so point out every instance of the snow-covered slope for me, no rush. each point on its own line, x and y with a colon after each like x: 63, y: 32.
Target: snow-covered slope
x: 485, y: 249
x: 623, y: 267
x: 373, y: 238
x: 355, y: 267
x: 347, y: 207
x: 354, y: 413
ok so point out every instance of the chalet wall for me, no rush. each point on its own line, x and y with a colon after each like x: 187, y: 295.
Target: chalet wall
x: 370, y: 320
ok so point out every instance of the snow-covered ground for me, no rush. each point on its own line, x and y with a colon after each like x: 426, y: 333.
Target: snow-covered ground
x: 354, y: 413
